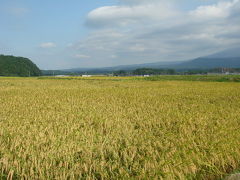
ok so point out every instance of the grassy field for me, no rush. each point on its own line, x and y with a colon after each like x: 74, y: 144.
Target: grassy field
x: 207, y: 78
x: 118, y: 128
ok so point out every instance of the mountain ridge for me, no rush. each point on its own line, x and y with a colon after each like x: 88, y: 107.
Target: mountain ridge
x: 229, y: 58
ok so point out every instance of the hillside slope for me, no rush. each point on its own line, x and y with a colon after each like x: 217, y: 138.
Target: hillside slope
x: 198, y: 63
x: 17, y: 66
x: 229, y: 58
x: 209, y: 63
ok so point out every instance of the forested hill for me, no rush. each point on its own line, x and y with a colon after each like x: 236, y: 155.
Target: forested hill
x: 17, y: 66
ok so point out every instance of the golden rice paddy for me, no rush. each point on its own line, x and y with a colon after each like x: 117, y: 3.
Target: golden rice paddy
x: 118, y: 129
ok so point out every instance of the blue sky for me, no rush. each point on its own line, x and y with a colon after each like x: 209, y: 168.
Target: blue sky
x: 60, y: 34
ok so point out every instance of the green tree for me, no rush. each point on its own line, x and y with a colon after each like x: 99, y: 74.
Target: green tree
x: 17, y: 66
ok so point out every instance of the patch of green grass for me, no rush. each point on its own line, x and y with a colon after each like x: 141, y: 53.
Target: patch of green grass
x: 208, y: 78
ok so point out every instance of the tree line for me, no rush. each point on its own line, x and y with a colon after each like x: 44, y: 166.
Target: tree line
x: 152, y: 71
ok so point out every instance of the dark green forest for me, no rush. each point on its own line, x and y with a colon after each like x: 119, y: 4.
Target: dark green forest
x: 17, y: 66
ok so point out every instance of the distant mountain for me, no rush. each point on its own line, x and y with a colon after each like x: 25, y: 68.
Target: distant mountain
x: 123, y: 67
x: 198, y: 63
x: 146, y: 65
x: 17, y: 66
x: 234, y: 52
x: 229, y: 58
x: 210, y: 63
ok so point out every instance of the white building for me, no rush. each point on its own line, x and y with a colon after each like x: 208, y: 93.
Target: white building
x: 86, y: 75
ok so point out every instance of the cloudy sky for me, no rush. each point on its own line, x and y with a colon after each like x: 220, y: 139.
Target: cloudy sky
x: 60, y: 34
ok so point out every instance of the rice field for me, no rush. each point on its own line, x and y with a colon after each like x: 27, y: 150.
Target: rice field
x: 118, y: 129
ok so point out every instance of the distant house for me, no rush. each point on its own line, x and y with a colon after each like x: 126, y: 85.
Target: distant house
x: 86, y: 75
x: 146, y: 75
x: 62, y: 76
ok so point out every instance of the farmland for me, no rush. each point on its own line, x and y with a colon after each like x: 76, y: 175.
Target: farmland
x: 118, y: 128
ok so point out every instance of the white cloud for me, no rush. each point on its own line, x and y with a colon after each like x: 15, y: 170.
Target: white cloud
x: 48, y: 45
x: 129, y: 15
x: 81, y: 56
x: 113, y: 56
x: 137, y: 48
x: 219, y: 10
x: 155, y: 30
x: 141, y: 1
x: 69, y: 45
x: 17, y: 11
